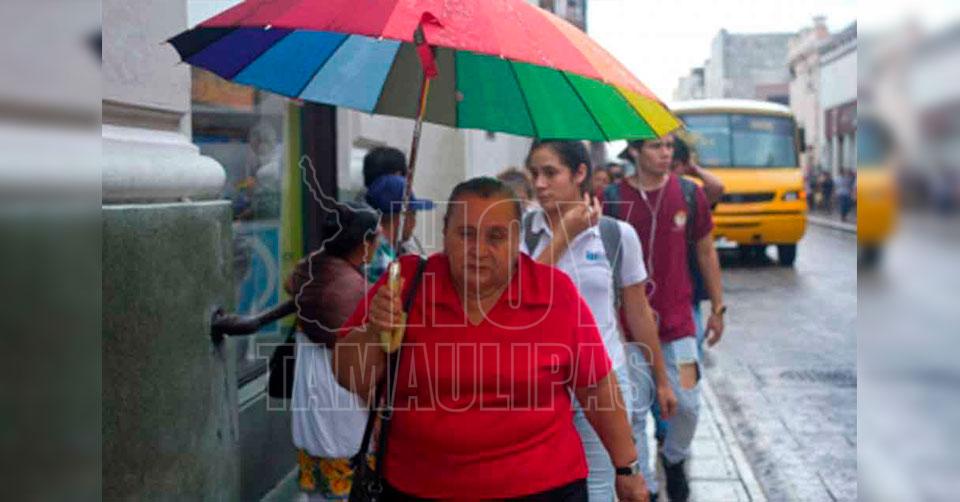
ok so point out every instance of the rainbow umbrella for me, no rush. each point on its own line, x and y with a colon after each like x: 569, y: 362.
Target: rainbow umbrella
x: 501, y: 65
x: 496, y: 65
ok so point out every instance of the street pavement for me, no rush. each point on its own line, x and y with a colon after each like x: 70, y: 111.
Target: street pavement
x: 785, y: 372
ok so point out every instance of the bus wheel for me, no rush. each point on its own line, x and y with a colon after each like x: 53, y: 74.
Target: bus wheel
x: 786, y: 254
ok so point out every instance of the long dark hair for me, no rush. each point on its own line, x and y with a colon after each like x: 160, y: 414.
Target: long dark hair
x: 571, y: 153
x: 347, y: 227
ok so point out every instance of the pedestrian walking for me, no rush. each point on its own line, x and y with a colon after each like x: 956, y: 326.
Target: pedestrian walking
x: 659, y: 205
x: 846, y: 189
x: 386, y: 196
x: 604, y: 259
x: 810, y: 184
x: 327, y: 420
x: 826, y: 192
x: 488, y: 365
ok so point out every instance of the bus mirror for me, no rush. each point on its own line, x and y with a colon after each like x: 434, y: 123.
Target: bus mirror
x: 802, y: 139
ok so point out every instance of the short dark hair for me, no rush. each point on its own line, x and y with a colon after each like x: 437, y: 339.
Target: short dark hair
x: 484, y: 187
x: 571, y: 153
x: 347, y: 227
x: 381, y: 161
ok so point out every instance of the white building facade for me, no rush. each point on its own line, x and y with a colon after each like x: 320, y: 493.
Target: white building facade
x: 804, y: 60
x: 838, y: 101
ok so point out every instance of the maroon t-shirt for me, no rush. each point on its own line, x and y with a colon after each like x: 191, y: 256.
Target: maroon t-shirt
x: 669, y: 288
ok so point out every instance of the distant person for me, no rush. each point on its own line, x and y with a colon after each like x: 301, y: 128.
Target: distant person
x: 810, y: 183
x: 846, y: 190
x: 600, y: 180
x: 683, y: 165
x: 381, y: 161
x: 826, y: 191
x: 616, y: 171
x: 327, y: 420
x: 386, y: 196
x: 519, y: 181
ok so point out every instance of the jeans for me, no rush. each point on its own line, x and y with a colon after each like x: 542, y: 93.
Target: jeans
x: 701, y: 329
x: 601, y: 480
x: 680, y: 427
x: 701, y: 335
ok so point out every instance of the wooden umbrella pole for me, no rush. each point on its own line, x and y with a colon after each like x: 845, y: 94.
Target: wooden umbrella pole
x: 414, y: 147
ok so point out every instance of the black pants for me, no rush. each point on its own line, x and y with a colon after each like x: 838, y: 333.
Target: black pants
x: 573, y: 492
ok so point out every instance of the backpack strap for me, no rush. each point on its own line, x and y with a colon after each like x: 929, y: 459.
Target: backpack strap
x: 689, y: 189
x: 611, y: 239
x: 530, y: 238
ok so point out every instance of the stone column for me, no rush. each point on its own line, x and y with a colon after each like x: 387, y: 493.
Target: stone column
x: 169, y: 394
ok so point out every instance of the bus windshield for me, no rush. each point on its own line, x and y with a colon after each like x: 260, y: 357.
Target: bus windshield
x: 873, y: 145
x: 742, y: 140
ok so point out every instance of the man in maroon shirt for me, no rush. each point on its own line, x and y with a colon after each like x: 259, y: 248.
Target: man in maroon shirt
x: 658, y: 205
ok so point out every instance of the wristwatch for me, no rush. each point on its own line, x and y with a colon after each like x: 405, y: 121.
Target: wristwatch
x: 720, y: 311
x: 631, y: 470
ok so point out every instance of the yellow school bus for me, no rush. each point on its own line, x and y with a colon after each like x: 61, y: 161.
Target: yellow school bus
x: 752, y: 146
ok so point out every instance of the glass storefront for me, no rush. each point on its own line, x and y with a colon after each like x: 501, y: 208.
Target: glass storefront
x: 242, y: 128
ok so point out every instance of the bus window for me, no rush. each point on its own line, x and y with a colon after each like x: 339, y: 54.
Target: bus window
x: 711, y: 137
x: 760, y: 141
x: 742, y: 140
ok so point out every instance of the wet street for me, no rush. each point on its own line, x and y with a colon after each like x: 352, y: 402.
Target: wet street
x: 786, y: 372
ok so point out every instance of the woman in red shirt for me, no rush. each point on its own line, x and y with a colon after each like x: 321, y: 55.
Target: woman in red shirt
x: 494, y: 345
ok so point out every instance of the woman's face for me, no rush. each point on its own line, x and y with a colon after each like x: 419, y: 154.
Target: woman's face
x: 600, y: 180
x: 482, y: 241
x: 554, y: 181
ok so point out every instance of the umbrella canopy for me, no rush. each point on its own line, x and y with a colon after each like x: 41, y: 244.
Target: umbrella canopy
x: 504, y: 65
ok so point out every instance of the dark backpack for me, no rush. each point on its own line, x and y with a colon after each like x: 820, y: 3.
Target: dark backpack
x: 613, y: 207
x: 609, y: 236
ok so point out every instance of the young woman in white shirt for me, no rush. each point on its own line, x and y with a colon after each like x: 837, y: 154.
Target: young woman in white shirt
x: 565, y: 233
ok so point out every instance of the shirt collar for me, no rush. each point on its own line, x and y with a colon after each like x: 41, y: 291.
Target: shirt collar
x: 539, y: 225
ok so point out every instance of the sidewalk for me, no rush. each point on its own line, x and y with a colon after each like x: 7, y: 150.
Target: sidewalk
x: 718, y: 470
x: 832, y: 220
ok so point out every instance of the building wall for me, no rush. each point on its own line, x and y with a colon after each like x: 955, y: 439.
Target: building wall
x: 746, y: 65
x: 838, y: 90
x: 804, y: 87
x: 690, y: 86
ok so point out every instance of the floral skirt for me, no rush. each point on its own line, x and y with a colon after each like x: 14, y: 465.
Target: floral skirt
x: 330, y: 478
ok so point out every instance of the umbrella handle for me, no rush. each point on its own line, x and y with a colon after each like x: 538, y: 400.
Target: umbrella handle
x: 414, y: 148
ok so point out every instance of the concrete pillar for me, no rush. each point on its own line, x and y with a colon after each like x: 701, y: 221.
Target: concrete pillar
x: 169, y: 394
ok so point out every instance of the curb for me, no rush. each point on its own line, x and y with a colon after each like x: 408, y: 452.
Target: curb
x: 747, y: 477
x: 836, y: 225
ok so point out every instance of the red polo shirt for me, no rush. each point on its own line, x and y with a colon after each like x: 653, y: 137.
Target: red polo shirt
x: 485, y: 411
x: 669, y: 288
